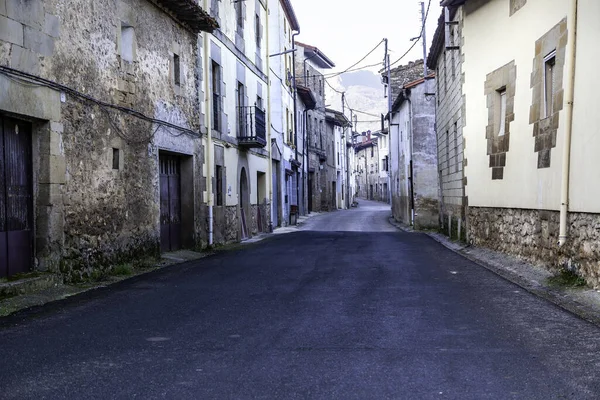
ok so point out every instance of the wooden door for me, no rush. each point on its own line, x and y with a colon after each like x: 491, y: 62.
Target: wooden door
x: 16, y: 197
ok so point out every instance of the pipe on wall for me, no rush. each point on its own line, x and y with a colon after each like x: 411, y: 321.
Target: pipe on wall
x: 566, y: 159
x: 209, y: 149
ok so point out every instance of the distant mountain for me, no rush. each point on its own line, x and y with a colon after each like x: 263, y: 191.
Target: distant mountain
x: 361, y: 78
x: 364, y: 94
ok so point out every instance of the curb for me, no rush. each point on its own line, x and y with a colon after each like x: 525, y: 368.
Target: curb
x: 559, y: 297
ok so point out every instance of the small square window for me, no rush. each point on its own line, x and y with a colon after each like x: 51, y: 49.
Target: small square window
x: 502, y: 115
x: 549, y: 83
x: 115, y: 158
x: 127, y: 42
x: 176, y: 70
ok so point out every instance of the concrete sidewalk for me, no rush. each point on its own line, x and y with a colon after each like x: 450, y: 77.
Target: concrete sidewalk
x: 582, y: 301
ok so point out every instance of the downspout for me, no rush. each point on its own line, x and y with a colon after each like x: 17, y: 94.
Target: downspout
x: 566, y: 163
x: 209, y: 149
x: 269, y: 144
x: 295, y: 114
x: 412, y: 177
x: 305, y: 164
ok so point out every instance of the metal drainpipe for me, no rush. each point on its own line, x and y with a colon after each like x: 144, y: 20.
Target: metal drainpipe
x: 564, y: 193
x: 269, y: 144
x: 209, y: 149
x: 412, y: 178
x: 295, y: 116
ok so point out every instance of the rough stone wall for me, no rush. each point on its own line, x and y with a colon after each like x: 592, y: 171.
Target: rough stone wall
x: 232, y: 224
x: 533, y: 236
x: 108, y: 216
x: 404, y: 74
x: 424, y: 157
x: 449, y: 123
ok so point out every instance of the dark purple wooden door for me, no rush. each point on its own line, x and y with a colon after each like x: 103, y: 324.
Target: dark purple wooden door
x: 170, y: 203
x: 16, y: 197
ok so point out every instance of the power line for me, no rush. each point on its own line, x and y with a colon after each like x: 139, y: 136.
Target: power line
x: 356, y: 63
x: 417, y: 38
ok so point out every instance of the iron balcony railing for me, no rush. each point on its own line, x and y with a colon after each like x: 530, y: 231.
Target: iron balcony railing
x: 252, y: 125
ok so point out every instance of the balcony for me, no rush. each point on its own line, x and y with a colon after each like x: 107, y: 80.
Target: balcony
x: 189, y: 13
x: 251, y: 126
x: 319, y: 152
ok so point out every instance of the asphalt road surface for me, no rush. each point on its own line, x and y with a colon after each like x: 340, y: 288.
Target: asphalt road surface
x: 371, y: 314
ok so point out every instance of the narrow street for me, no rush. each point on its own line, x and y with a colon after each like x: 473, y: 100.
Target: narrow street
x: 346, y: 308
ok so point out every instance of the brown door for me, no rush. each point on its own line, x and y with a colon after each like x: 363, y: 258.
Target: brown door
x: 16, y: 197
x: 170, y: 203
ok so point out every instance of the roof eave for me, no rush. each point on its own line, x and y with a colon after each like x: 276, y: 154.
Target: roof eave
x: 291, y: 15
x: 189, y: 14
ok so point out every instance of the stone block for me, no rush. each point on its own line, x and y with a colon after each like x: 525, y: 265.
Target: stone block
x: 497, y: 173
x: 51, y: 25
x: 57, y: 127
x: 544, y: 159
x: 3, y: 7
x: 11, y: 31
x: 38, y: 41
x: 25, y: 60
x: 28, y: 12
x: 56, y: 170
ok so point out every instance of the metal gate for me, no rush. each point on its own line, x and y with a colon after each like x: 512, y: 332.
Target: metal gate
x: 16, y: 197
x: 170, y: 203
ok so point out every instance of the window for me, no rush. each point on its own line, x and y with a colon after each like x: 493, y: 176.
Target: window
x: 453, y: 66
x: 219, y: 185
x: 127, y: 42
x: 448, y: 150
x: 216, y: 95
x: 502, y: 115
x: 257, y: 30
x: 115, y: 158
x: 214, y: 7
x: 241, y: 111
x: 445, y: 74
x: 176, y: 70
x: 239, y: 13
x: 455, y: 147
x: 549, y: 83
x: 259, y: 102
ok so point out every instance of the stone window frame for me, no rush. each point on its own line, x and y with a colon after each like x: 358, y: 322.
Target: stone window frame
x: 502, y: 79
x: 516, y: 5
x: 551, y: 45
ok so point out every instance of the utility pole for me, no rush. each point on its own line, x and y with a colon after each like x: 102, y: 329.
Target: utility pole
x: 388, y: 67
x: 424, y: 39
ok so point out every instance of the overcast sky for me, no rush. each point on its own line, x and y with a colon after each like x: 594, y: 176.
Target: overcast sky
x: 345, y: 31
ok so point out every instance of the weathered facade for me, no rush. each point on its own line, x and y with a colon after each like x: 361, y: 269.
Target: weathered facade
x: 337, y: 128
x: 367, y: 166
x: 310, y: 62
x: 530, y: 135
x: 413, y: 164
x: 446, y: 60
x: 238, y: 111
x: 106, y: 114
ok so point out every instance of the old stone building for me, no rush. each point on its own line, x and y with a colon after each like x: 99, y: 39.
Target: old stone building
x: 310, y: 62
x: 445, y: 59
x: 337, y: 125
x: 100, y: 115
x: 236, y: 73
x: 529, y: 126
x: 305, y: 101
x: 367, y: 166
x: 286, y: 189
x: 413, y: 163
